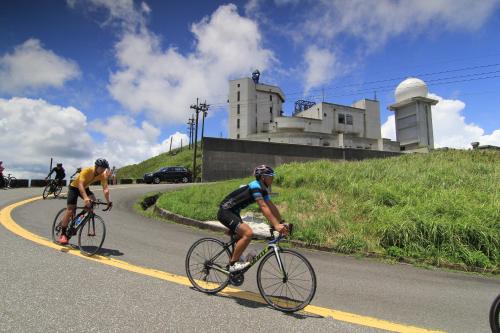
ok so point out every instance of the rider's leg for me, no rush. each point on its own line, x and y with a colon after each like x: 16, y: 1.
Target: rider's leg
x: 246, y: 234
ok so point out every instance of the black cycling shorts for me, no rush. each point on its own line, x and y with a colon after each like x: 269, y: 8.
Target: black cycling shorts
x: 229, y: 219
x: 74, y: 193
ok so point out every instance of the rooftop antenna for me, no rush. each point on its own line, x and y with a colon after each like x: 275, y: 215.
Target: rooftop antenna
x: 323, y: 93
x: 375, y: 95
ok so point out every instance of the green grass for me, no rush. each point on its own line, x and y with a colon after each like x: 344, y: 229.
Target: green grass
x: 175, y: 158
x: 440, y: 209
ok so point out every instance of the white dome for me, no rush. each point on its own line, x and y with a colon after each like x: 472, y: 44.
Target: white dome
x: 411, y: 87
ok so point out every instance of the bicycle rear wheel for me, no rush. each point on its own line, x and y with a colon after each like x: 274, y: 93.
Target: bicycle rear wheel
x: 91, y: 235
x: 204, y: 262
x: 290, y: 290
x: 11, y: 182
x: 495, y: 315
x: 46, y: 190
x: 56, y: 225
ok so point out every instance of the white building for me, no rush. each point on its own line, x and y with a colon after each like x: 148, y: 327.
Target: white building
x: 256, y: 113
x: 413, y: 115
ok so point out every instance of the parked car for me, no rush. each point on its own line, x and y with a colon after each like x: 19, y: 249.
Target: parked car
x: 169, y: 174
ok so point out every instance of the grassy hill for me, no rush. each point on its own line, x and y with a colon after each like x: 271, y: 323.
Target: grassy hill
x: 175, y: 158
x: 441, y: 208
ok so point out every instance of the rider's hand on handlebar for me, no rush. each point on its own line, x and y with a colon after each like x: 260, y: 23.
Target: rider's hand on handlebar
x: 88, y: 202
x: 282, y: 229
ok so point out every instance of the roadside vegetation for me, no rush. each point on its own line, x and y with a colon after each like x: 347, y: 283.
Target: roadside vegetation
x: 440, y: 209
x: 176, y: 157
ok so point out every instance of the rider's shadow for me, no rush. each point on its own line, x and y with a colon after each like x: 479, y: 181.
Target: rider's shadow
x: 257, y: 305
x: 110, y: 252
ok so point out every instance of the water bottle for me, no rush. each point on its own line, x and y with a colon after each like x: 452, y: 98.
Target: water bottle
x: 250, y: 255
x: 78, y: 220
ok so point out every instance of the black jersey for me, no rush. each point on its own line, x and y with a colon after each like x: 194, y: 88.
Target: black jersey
x: 244, y: 196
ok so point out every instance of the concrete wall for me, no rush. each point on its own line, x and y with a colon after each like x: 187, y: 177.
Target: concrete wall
x: 227, y: 158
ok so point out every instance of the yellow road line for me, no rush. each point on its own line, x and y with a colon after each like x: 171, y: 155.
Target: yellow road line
x: 7, y: 221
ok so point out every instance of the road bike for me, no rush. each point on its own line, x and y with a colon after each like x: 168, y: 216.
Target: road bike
x: 9, y: 181
x: 495, y: 315
x: 54, y: 187
x: 89, y: 226
x: 285, y: 278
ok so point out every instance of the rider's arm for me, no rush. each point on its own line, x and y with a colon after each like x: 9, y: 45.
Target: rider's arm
x: 268, y: 213
x: 274, y: 210
x: 50, y: 173
x: 105, y: 190
x: 83, y: 192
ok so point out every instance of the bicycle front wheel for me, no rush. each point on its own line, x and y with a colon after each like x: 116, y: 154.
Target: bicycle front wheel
x: 495, y: 315
x: 56, y: 225
x: 206, y: 261
x: 57, y: 191
x: 91, y: 235
x: 290, y: 289
x: 46, y: 191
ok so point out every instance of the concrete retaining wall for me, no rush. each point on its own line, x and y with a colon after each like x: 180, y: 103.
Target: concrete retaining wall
x: 227, y: 158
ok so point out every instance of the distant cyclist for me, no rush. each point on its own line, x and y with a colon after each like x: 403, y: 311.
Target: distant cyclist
x: 79, y: 187
x: 233, y: 203
x: 60, y: 173
x: 2, y: 181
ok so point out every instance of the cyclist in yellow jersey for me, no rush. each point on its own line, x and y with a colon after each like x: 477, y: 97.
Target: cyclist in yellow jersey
x: 79, y: 187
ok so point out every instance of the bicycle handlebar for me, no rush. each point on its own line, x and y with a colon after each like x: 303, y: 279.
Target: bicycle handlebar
x: 289, y: 227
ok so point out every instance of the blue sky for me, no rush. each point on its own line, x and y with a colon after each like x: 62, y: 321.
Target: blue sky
x: 89, y: 78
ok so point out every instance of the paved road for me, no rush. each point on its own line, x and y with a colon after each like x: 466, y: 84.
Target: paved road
x: 39, y: 285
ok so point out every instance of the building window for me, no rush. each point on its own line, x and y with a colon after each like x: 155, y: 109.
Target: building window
x: 238, y: 96
x: 238, y: 85
x: 238, y: 109
x: 237, y: 136
x: 271, y: 112
x: 341, y: 118
x: 348, y: 119
x: 271, y: 98
x: 238, y: 123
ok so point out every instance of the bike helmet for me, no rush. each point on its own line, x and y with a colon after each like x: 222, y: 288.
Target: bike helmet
x: 263, y: 170
x: 59, y: 164
x: 101, y: 162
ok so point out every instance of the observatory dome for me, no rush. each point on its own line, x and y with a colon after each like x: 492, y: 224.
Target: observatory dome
x: 411, y: 87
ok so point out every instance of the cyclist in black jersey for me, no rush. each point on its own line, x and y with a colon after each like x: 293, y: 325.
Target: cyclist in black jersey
x: 60, y: 173
x: 233, y: 203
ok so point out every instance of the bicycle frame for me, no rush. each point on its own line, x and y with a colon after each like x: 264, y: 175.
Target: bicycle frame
x: 273, y: 244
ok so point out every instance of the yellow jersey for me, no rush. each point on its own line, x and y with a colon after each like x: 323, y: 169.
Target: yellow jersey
x: 87, y: 175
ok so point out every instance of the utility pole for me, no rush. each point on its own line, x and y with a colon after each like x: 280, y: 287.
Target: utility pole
x: 190, y: 123
x: 205, y: 107
x: 170, y: 150
x: 198, y: 108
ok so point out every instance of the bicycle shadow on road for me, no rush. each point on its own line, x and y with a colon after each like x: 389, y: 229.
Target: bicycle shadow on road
x: 102, y: 252
x: 241, y: 297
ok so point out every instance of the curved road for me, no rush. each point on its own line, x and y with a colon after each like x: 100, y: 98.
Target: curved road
x: 45, y: 289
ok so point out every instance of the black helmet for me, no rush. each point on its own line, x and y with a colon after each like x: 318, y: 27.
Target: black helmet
x: 59, y: 164
x: 101, y: 162
x: 263, y: 170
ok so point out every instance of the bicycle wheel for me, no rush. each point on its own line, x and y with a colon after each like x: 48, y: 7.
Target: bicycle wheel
x: 46, y: 191
x: 56, y: 225
x: 57, y: 191
x: 495, y: 315
x: 91, y: 235
x: 287, y: 291
x: 204, y: 260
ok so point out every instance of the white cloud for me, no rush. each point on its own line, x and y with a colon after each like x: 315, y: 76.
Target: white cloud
x: 389, y: 128
x: 320, y: 67
x: 124, y: 12
x: 377, y: 21
x: 451, y: 129
x: 164, y: 83
x: 31, y: 66
x: 34, y: 130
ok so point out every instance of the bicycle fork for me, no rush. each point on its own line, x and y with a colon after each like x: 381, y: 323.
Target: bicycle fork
x: 280, y: 263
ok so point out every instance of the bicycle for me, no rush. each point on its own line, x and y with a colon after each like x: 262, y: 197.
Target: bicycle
x: 53, y: 187
x: 89, y: 226
x: 9, y: 181
x: 495, y: 315
x: 285, y: 278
